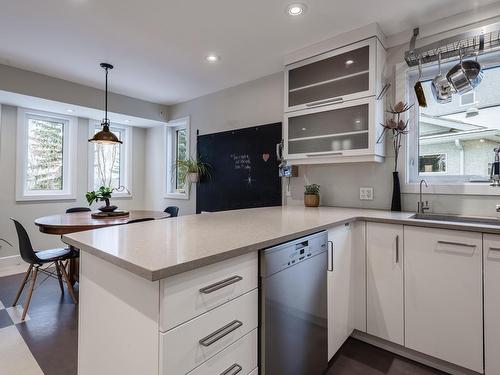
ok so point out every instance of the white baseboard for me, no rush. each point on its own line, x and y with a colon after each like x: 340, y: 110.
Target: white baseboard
x: 438, y: 364
x: 12, y: 265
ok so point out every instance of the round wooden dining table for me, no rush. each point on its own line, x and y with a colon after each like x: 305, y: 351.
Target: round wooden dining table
x: 80, y: 221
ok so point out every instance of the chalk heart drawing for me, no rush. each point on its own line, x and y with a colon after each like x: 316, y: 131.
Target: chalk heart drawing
x: 265, y: 157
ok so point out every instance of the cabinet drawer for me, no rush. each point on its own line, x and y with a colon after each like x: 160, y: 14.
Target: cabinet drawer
x: 193, y: 293
x: 238, y: 358
x: 192, y: 343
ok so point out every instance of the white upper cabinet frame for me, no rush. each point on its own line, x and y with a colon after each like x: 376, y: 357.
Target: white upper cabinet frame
x: 373, y: 46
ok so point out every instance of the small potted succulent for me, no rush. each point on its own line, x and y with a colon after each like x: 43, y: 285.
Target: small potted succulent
x: 104, y: 195
x: 193, y: 169
x: 311, y: 195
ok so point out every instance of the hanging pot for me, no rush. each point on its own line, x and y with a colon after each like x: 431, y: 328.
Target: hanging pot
x: 441, y: 87
x: 419, y: 90
x: 193, y: 178
x: 466, y: 75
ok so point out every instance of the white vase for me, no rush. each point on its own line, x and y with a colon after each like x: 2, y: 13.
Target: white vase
x: 193, y: 178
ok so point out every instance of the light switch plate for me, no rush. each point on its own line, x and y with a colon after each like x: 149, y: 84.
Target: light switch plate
x: 366, y: 193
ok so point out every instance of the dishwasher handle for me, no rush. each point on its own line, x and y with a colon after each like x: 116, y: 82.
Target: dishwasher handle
x: 330, y: 256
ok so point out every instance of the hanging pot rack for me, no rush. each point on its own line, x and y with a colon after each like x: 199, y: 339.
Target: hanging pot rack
x: 474, y: 42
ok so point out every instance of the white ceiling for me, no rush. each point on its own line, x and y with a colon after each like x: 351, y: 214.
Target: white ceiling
x: 158, y: 46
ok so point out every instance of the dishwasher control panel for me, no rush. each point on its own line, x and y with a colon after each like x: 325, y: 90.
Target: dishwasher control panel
x: 291, y: 253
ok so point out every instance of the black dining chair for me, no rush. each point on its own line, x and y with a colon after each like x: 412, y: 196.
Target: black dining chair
x: 35, y: 259
x: 140, y: 220
x: 172, y: 210
x: 77, y: 209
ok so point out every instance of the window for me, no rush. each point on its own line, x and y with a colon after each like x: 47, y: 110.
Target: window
x: 431, y: 164
x: 177, y: 148
x: 45, y: 155
x: 452, y: 143
x: 110, y: 165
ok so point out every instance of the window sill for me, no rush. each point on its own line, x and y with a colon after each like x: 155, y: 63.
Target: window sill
x: 184, y: 196
x: 122, y: 196
x: 45, y: 197
x: 452, y: 189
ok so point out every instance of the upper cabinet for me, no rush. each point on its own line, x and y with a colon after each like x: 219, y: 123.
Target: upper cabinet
x: 332, y: 113
x: 340, y: 75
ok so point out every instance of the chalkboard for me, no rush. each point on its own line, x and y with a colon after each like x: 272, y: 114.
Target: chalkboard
x: 244, y: 169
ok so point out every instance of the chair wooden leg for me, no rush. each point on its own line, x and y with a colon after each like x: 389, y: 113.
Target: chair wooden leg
x: 21, y: 287
x: 28, y: 299
x: 68, y: 283
x: 59, y: 277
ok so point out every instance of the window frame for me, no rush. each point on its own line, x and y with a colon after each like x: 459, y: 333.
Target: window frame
x: 68, y: 191
x: 170, y: 152
x: 443, y: 184
x: 125, y: 157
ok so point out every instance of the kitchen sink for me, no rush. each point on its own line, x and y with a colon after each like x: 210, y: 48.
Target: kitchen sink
x: 457, y: 219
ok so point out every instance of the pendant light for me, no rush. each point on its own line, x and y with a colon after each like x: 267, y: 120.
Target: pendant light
x: 105, y: 136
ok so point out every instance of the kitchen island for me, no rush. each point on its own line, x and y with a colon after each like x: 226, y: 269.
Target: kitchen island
x: 146, y: 303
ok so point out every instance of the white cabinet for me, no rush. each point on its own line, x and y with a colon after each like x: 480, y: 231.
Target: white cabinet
x: 337, y: 76
x: 491, y: 249
x: 331, y: 111
x: 384, y: 273
x: 346, y: 286
x: 443, y: 295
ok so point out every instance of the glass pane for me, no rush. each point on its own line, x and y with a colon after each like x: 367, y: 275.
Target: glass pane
x: 458, y: 138
x: 342, y: 120
x: 44, y: 169
x: 336, y: 76
x: 334, y: 143
x: 180, y: 154
x: 107, y: 163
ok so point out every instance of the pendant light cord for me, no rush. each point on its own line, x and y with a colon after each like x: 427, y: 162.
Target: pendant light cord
x: 106, y: 98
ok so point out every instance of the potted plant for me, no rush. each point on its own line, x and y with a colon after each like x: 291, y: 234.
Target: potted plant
x: 397, y: 126
x: 104, y: 195
x: 193, y: 169
x: 311, y: 195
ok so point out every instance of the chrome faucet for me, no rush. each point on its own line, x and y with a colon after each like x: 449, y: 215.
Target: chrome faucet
x: 421, y: 207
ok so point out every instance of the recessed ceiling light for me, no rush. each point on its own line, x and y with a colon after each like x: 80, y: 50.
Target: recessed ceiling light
x: 349, y: 62
x: 304, y: 129
x: 358, y: 121
x: 212, y: 58
x: 70, y: 110
x: 126, y: 121
x: 296, y: 9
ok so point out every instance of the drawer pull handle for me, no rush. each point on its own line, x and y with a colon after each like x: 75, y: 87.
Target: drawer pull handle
x: 455, y: 243
x: 220, y: 333
x: 330, y: 153
x: 233, y: 370
x: 220, y: 284
x: 325, y: 102
x: 397, y: 249
x: 494, y: 248
x: 330, y: 256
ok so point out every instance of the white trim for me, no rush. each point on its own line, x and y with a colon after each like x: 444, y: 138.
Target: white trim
x: 69, y: 157
x: 168, y: 151
x: 126, y: 159
x: 11, y: 265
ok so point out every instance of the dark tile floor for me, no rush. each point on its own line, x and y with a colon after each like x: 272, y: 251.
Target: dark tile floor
x: 358, y: 358
x: 51, y: 333
x: 52, y: 336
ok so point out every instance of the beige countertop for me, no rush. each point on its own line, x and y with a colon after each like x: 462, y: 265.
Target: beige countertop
x: 162, y: 248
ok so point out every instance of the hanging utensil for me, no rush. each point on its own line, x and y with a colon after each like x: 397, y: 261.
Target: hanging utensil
x: 419, y: 90
x: 458, y: 76
x: 441, y: 88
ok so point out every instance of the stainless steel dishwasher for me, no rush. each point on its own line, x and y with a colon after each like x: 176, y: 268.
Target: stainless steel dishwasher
x: 294, y: 335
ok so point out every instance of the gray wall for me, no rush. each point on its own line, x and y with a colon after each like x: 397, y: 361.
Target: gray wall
x: 41, y: 86
x: 27, y: 212
x: 260, y: 102
x: 253, y: 103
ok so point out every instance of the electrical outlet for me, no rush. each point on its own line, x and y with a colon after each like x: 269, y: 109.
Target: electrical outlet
x: 366, y: 193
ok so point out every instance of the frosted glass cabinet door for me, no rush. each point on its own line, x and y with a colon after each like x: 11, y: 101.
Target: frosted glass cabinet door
x: 334, y: 130
x: 340, y: 75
